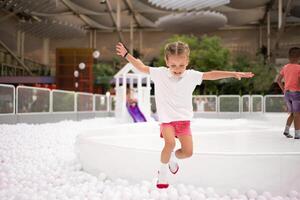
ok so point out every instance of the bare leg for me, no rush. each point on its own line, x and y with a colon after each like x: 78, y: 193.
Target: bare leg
x: 297, y: 124
x: 186, y: 149
x: 290, y: 119
x: 289, y: 122
x: 296, y: 120
x: 169, y: 137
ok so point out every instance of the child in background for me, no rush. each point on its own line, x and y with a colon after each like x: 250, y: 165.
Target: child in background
x: 291, y: 89
x: 174, y: 86
x: 129, y: 97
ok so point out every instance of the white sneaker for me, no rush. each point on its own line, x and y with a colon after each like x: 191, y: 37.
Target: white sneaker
x: 162, y: 182
x: 174, y: 167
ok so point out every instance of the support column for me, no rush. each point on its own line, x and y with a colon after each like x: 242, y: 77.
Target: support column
x: 268, y: 35
x: 260, y: 35
x: 19, y: 43
x: 46, y: 50
x: 131, y: 35
x: 141, y: 41
x: 91, y: 39
x: 118, y: 14
x: 22, y: 44
x: 279, y: 14
x: 94, y: 39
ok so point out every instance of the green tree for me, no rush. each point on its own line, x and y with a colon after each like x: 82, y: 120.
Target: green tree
x: 103, y: 73
x: 259, y: 84
x: 207, y: 54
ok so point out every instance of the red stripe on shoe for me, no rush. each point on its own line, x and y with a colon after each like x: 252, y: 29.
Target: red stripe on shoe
x: 162, y: 186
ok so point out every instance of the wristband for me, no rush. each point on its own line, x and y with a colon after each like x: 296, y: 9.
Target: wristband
x: 125, y: 54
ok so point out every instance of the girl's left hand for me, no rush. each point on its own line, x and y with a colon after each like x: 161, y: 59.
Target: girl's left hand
x: 239, y: 75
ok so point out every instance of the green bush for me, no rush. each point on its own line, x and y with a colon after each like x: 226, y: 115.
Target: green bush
x: 207, y: 54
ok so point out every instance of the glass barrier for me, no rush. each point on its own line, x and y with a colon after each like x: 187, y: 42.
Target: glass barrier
x: 85, y: 102
x: 205, y: 103
x: 257, y: 103
x: 7, y: 99
x: 42, y: 100
x: 275, y: 103
x: 33, y: 100
x: 112, y: 100
x: 100, y: 102
x: 63, y: 101
x: 229, y: 103
x: 246, y: 103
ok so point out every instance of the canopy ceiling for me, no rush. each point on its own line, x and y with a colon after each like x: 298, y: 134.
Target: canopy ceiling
x: 73, y: 18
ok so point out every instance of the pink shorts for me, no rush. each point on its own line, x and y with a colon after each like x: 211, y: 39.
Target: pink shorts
x: 180, y: 128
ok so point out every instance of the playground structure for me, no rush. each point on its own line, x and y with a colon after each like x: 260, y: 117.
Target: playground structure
x: 124, y: 112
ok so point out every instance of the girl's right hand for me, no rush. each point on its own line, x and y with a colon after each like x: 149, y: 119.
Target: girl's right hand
x: 121, y: 50
x: 239, y: 75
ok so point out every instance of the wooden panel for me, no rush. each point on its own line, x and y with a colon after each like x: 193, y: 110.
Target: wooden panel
x: 67, y: 61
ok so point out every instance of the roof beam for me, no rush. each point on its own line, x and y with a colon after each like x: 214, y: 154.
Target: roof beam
x: 282, y: 27
x: 130, y: 8
x: 268, y: 8
x: 135, y: 13
x: 88, y: 21
x: 16, y: 57
x: 114, y: 20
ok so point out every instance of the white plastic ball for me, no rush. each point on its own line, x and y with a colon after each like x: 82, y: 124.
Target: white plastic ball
x: 279, y: 197
x: 185, y: 197
x: 261, y: 197
x: 242, y: 197
x: 126, y: 195
x: 234, y: 193
x: 81, y: 66
x: 163, y: 195
x: 154, y: 194
x: 183, y: 191
x: 173, y: 194
x: 201, y: 196
x: 194, y: 195
x: 268, y: 195
x: 293, y: 193
x: 76, y: 73
x: 210, y: 192
x: 96, y: 54
x: 102, y: 176
x: 201, y: 190
x: 226, y: 197
x: 252, y: 194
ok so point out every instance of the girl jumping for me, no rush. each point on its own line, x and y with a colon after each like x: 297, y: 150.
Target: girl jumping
x: 174, y: 86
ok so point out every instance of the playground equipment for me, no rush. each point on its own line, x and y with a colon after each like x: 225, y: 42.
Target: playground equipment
x: 139, y: 83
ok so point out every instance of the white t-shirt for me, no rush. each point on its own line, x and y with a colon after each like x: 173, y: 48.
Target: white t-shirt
x: 173, y: 95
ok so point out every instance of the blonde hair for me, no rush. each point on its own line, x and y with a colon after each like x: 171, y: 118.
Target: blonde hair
x: 177, y: 48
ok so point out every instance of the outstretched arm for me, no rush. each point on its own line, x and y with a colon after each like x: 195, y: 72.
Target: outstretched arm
x: 122, y: 51
x: 215, y: 75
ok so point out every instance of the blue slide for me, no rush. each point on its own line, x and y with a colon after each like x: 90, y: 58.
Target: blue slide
x: 136, y: 113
